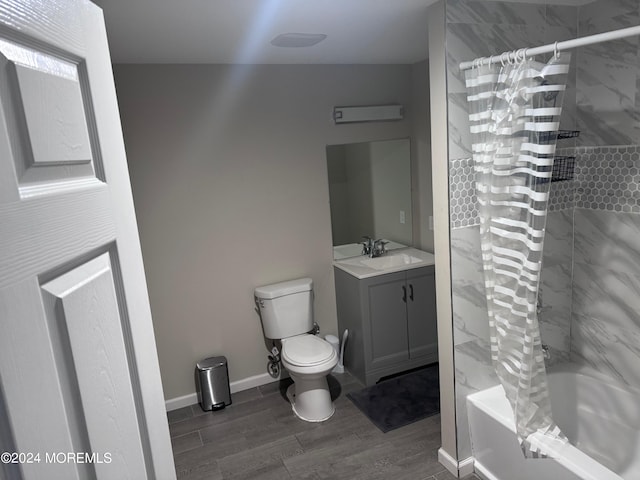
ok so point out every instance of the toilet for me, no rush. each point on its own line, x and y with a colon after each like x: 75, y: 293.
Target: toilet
x: 286, y: 311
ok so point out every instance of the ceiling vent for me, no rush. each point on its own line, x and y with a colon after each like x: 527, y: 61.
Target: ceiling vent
x: 298, y: 39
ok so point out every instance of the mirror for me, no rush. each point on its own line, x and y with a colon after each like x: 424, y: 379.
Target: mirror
x: 369, y: 194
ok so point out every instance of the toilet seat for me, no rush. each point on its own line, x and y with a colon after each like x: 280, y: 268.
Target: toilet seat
x: 306, y: 351
x: 309, y: 359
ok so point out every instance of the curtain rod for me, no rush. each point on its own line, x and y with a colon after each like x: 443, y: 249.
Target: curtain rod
x: 556, y: 47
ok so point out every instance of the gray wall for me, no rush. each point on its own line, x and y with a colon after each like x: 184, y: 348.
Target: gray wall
x: 230, y: 185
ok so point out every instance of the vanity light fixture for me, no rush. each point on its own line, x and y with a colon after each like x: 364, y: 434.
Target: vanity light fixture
x: 374, y: 113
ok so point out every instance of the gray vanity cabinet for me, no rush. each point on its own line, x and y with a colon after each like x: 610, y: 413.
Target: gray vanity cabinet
x: 391, y: 320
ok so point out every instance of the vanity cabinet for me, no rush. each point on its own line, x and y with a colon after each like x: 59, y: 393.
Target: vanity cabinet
x: 391, y: 320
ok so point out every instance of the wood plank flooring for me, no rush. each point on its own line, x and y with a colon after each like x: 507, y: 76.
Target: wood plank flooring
x: 259, y: 438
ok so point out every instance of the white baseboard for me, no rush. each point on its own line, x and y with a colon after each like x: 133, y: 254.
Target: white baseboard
x: 237, y: 386
x: 457, y: 468
x: 448, y: 461
x: 179, y: 402
x: 466, y: 467
x: 255, y: 381
x: 483, y: 472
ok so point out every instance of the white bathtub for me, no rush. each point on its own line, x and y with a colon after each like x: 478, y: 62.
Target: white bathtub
x: 601, y: 418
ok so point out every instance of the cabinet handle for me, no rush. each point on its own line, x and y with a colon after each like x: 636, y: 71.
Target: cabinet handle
x: 411, y: 292
x: 404, y: 294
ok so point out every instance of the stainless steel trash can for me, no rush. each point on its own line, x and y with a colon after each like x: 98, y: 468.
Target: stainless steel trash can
x: 212, y: 383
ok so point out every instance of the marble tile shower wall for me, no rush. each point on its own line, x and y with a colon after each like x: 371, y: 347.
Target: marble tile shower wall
x: 605, y: 329
x: 607, y: 179
x: 605, y: 191
x: 590, y: 286
x: 481, y: 28
x: 605, y: 324
x: 608, y: 76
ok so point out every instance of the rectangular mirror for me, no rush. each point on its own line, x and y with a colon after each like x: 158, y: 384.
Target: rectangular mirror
x: 369, y: 194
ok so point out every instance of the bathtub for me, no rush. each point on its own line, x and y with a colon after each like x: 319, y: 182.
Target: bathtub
x: 600, y: 417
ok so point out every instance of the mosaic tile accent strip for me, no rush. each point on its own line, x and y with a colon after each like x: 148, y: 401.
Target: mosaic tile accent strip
x: 562, y: 195
x: 608, y: 178
x: 463, y: 203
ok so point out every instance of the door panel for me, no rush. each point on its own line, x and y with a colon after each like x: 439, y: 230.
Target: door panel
x: 53, y: 112
x: 422, y: 325
x: 387, y: 313
x: 78, y: 366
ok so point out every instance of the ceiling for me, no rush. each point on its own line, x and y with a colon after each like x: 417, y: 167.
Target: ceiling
x: 239, y: 31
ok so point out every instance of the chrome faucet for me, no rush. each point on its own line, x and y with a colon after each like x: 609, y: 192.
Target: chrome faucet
x: 367, y: 246
x: 378, y: 248
x: 373, y: 248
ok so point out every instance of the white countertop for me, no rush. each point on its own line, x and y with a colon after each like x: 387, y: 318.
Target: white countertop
x: 393, y: 261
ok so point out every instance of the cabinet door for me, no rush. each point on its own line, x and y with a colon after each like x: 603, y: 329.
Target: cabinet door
x: 388, y: 324
x: 421, y: 308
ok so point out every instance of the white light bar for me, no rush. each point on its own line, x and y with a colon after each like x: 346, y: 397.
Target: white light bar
x: 376, y: 113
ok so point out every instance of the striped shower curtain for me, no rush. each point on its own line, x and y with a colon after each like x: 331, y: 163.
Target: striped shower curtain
x: 514, y: 115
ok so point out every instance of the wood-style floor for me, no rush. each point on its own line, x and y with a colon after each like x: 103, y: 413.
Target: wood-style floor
x: 259, y: 438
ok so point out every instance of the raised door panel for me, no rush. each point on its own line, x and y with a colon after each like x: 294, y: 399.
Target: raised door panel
x: 387, y: 321
x: 37, y: 414
x: 421, y: 308
x: 48, y: 117
x: 81, y: 305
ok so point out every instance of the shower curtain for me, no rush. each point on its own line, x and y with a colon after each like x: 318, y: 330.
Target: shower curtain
x: 514, y: 117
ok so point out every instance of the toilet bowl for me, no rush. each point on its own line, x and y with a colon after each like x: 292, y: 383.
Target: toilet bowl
x: 309, y: 359
x: 287, y: 315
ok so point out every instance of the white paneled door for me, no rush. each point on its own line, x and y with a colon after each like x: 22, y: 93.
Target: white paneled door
x: 80, y: 391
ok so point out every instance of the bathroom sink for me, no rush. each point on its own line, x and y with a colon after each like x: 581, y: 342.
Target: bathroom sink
x: 393, y: 261
x: 346, y: 251
x: 390, y: 261
x: 341, y: 252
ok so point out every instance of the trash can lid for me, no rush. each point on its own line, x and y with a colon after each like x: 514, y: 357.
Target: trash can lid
x: 211, y: 362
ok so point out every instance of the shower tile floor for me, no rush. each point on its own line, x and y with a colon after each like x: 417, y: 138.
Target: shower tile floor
x: 258, y: 437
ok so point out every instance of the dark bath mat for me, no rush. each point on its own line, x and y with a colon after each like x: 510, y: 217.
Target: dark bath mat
x: 400, y: 400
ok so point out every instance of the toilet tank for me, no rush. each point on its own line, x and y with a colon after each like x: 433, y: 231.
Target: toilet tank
x: 286, y: 308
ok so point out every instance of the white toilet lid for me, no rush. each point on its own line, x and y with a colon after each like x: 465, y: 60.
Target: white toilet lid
x: 306, y: 350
